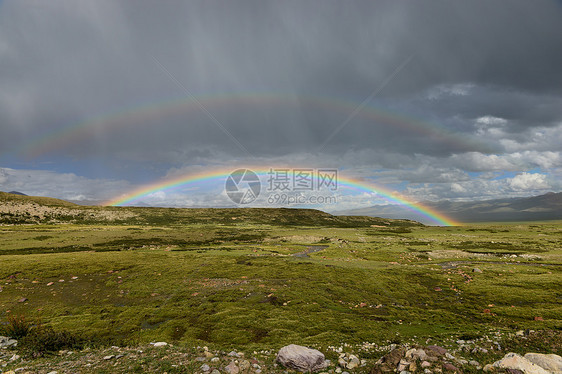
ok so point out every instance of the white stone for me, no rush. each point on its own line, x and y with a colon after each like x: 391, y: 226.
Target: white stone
x: 160, y: 344
x: 514, y: 361
x: 550, y: 362
x: 301, y: 358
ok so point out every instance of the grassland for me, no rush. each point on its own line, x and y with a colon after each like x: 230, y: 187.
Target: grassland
x: 230, y: 278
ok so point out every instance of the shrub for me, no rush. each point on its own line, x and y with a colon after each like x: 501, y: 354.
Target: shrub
x: 35, y: 339
x: 16, y: 326
x: 43, y: 339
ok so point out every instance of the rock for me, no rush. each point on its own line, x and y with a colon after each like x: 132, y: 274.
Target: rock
x: 425, y: 364
x: 474, y: 363
x: 301, y: 358
x: 416, y: 354
x: 232, y: 368
x: 215, y: 359
x: 6, y: 342
x: 476, y: 270
x: 389, y: 362
x: 215, y: 371
x: 53, y: 372
x: 15, y: 357
x: 488, y: 368
x: 352, y: 365
x: 234, y: 354
x: 244, y: 365
x: 209, y: 354
x: 109, y: 357
x: 514, y: 361
x: 450, y: 367
x: 550, y: 362
x: 205, y: 367
x: 413, y: 367
x: 22, y: 300
x: 160, y: 344
x: 353, y: 362
x: 437, y: 350
x: 403, y: 365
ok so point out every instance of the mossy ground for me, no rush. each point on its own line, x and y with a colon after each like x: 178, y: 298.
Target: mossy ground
x: 235, y: 283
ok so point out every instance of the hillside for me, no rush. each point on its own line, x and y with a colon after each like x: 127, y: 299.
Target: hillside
x: 29, y: 209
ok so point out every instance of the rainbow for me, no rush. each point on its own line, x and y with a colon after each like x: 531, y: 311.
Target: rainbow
x: 356, y: 184
x: 85, y: 130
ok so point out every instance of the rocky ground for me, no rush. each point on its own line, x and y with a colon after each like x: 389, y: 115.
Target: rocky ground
x: 484, y: 354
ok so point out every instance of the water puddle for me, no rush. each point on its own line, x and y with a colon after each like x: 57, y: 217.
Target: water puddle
x: 310, y: 249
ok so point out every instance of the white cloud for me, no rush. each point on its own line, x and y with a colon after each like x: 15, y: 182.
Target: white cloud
x: 491, y: 120
x: 66, y: 186
x: 460, y: 89
x: 529, y: 182
x: 476, y: 161
x: 457, y: 188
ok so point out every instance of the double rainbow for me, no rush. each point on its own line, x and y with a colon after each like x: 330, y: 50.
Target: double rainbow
x: 74, y: 133
x: 218, y: 175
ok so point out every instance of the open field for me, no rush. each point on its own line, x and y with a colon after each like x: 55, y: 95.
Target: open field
x: 260, y: 279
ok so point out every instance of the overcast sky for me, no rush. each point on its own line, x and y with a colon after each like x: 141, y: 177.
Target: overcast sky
x: 435, y: 99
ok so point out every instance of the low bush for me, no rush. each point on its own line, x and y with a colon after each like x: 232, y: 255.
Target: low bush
x: 16, y: 326
x: 36, y: 339
x: 44, y: 339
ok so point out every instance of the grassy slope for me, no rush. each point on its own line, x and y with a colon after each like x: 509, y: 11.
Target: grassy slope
x: 228, y: 278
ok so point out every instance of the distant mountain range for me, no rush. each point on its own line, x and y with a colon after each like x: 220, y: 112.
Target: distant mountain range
x: 535, y: 208
x: 17, y: 193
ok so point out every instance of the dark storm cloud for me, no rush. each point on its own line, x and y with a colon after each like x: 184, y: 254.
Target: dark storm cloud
x: 63, y: 63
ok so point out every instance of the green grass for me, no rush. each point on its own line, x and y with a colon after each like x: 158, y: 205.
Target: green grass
x: 182, y: 277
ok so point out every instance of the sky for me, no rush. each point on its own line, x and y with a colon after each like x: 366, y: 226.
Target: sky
x: 457, y: 100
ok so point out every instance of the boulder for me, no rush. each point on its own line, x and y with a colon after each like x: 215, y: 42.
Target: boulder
x: 301, y: 358
x: 550, y: 362
x: 517, y: 362
x: 450, y: 367
x: 232, y: 368
x: 389, y: 362
x: 436, y: 350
